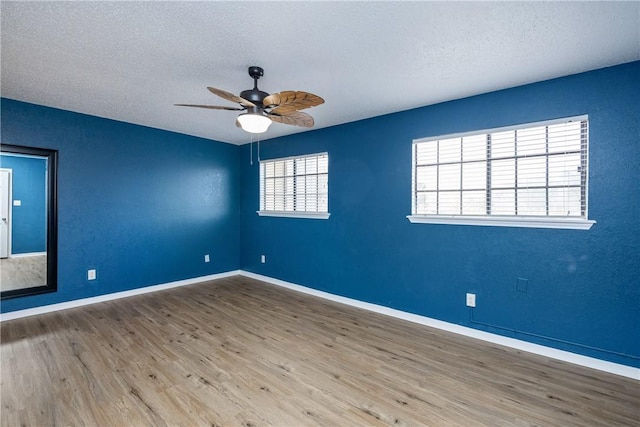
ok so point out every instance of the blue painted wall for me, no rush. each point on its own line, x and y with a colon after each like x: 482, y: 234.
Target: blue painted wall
x: 29, y: 220
x: 583, y: 286
x: 140, y: 205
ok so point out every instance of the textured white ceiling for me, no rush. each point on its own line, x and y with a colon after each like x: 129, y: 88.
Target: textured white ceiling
x: 132, y: 61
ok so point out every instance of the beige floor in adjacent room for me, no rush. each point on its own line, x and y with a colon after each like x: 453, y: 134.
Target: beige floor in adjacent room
x: 239, y: 352
x: 23, y: 272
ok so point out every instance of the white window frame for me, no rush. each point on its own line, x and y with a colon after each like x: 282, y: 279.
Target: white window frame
x: 561, y: 222
x: 290, y: 213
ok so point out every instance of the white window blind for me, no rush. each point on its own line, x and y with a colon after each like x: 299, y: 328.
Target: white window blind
x: 529, y: 171
x: 295, y: 184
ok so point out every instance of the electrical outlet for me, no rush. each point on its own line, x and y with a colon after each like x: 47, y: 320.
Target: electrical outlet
x: 91, y: 274
x: 522, y: 285
x: 206, y: 258
x: 471, y: 300
x: 263, y: 259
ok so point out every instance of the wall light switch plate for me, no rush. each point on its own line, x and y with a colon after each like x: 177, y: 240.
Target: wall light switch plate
x: 471, y: 300
x: 263, y: 259
x: 17, y: 203
x: 206, y: 258
x: 91, y: 274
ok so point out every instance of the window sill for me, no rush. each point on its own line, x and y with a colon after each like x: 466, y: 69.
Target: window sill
x: 529, y: 222
x: 302, y: 215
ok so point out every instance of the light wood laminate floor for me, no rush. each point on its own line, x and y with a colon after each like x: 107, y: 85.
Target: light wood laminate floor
x: 240, y: 352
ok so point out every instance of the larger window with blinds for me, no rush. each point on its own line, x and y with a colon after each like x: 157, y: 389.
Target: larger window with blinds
x: 295, y: 186
x: 532, y: 175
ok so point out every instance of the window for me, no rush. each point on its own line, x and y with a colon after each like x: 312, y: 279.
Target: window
x: 295, y: 187
x: 531, y: 175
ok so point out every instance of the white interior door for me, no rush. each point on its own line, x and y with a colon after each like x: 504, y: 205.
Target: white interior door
x: 5, y: 211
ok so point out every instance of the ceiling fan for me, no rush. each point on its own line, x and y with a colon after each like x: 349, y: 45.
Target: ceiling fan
x: 262, y: 108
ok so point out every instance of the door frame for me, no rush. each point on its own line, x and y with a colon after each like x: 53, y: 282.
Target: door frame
x: 9, y: 207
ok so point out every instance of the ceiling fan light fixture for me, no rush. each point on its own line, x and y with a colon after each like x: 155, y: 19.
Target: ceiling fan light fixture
x: 254, y: 122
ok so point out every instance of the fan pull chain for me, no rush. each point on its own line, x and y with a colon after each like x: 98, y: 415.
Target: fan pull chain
x: 251, y: 151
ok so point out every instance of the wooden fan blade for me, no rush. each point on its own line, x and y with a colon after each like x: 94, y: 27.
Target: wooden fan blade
x: 296, y: 99
x: 231, y: 97
x: 212, y: 107
x: 284, y: 110
x: 296, y: 119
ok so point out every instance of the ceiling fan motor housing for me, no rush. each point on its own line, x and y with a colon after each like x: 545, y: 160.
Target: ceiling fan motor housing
x: 254, y: 95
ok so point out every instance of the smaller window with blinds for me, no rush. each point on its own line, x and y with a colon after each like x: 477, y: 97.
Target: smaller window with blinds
x: 295, y: 187
x: 532, y: 175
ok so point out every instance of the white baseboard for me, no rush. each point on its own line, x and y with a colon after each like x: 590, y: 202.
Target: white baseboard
x: 577, y: 359
x: 566, y: 356
x: 27, y: 254
x: 108, y: 297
